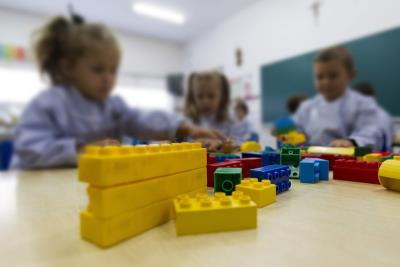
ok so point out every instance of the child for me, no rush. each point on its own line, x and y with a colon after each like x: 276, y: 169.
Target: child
x: 241, y: 113
x: 385, y: 120
x: 337, y: 116
x: 207, y: 105
x: 81, y: 61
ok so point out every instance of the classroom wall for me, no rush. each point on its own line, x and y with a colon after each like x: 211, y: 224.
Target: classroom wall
x: 271, y: 30
x: 142, y: 56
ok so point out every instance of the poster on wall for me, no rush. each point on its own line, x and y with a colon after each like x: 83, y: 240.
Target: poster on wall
x: 241, y: 87
x: 12, y: 53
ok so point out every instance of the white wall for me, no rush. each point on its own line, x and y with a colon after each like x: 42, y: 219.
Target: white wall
x: 142, y: 56
x: 145, y: 63
x: 272, y: 30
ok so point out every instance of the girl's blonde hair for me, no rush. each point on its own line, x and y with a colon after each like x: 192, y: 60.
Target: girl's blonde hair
x: 190, y: 109
x: 63, y: 39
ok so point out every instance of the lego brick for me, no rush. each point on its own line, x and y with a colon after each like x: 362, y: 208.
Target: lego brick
x: 248, y: 164
x: 362, y: 151
x: 271, y: 158
x: 329, y: 157
x: 214, y: 214
x: 277, y: 174
x: 221, y: 157
x: 356, y: 171
x: 211, y: 168
x: 262, y: 193
x: 269, y: 149
x: 110, y: 166
x: 294, y: 172
x: 313, y: 170
x: 250, y: 146
x: 6, y: 152
x: 108, y: 232
x: 225, y: 179
x: 267, y: 158
x: 385, y: 158
x: 373, y: 157
x: 389, y: 174
x: 344, y: 151
x: 210, y: 159
x: 290, y: 155
x: 109, y: 202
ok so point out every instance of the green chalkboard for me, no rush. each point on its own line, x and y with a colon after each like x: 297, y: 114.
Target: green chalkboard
x: 377, y: 59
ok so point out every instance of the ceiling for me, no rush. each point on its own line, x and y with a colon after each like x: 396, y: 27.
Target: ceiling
x: 200, y: 14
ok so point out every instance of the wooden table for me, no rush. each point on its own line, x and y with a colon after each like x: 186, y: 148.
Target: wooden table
x: 327, y: 224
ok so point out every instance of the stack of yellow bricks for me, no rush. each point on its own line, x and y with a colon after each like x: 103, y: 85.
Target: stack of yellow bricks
x: 131, y: 188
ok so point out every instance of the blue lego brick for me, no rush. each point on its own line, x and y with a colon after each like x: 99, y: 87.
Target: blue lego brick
x: 269, y: 149
x: 225, y: 157
x: 6, y: 151
x: 312, y: 170
x: 271, y: 158
x: 267, y: 158
x: 277, y: 174
x: 283, y: 186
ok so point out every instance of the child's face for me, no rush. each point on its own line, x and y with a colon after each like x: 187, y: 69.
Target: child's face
x: 331, y: 78
x: 95, y: 73
x: 207, y: 96
x: 240, y: 113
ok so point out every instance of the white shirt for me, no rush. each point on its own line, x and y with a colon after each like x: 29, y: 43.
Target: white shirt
x: 351, y: 116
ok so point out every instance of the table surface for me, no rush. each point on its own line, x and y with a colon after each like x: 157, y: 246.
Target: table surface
x: 331, y: 223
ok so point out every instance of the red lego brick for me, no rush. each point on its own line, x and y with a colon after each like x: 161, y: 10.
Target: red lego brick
x: 210, y: 159
x: 248, y: 164
x: 226, y: 164
x: 356, y: 171
x: 331, y: 158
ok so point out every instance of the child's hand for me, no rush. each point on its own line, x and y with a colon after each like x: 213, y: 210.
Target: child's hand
x: 196, y: 132
x: 212, y: 145
x: 341, y: 143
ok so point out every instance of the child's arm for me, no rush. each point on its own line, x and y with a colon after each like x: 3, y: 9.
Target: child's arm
x: 158, y: 125
x: 38, y: 144
x: 365, y: 131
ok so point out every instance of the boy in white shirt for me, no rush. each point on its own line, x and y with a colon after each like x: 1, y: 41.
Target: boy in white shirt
x: 337, y: 116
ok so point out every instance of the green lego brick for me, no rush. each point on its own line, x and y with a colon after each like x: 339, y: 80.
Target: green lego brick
x: 290, y: 155
x: 362, y: 151
x: 225, y: 179
x: 387, y: 158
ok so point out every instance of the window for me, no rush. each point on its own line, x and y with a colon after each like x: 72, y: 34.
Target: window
x: 19, y: 84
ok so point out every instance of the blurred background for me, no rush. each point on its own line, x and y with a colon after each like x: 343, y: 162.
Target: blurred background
x: 265, y: 47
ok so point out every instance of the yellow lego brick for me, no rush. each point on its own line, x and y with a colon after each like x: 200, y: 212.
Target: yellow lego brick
x: 110, y: 201
x: 294, y: 138
x: 345, y: 151
x: 108, y: 232
x: 110, y: 166
x: 373, y: 157
x: 250, y: 146
x: 262, y: 193
x: 219, y: 213
x: 389, y: 174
